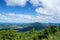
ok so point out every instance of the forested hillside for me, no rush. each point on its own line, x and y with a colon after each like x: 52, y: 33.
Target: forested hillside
x: 50, y: 33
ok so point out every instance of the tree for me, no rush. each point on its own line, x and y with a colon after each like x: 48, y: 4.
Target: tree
x: 9, y: 35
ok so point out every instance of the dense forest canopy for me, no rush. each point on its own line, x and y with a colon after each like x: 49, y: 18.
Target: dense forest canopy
x: 50, y: 33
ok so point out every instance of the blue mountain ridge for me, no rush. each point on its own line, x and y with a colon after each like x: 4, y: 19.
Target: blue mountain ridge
x: 26, y: 26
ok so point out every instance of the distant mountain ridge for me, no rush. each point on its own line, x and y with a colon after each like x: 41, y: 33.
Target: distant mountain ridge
x: 26, y: 26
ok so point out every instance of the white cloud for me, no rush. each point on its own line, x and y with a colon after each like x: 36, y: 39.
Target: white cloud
x: 44, y: 11
x: 52, y: 6
x: 23, y: 18
x: 35, y: 2
x: 3, y: 17
x: 16, y: 2
x: 50, y: 10
x: 13, y: 17
x: 20, y: 15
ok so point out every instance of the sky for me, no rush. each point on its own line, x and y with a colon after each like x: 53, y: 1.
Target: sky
x: 27, y: 11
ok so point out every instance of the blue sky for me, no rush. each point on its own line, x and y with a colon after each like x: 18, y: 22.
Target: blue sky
x: 25, y: 11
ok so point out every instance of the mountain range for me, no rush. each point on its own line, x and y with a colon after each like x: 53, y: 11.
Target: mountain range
x: 26, y: 26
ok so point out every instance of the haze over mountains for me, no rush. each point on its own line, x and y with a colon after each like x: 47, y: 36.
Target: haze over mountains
x: 26, y: 26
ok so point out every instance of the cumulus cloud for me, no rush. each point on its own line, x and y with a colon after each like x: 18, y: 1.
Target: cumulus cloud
x: 50, y: 9
x: 23, y: 18
x: 35, y: 2
x: 20, y: 15
x: 43, y: 11
x: 50, y: 12
x: 13, y: 17
x: 16, y: 2
x: 2, y: 17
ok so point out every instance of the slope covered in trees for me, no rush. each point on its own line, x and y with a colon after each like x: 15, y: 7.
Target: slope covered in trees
x: 50, y: 33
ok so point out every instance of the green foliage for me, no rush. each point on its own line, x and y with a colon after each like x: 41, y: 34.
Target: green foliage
x: 50, y: 33
x: 9, y: 35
